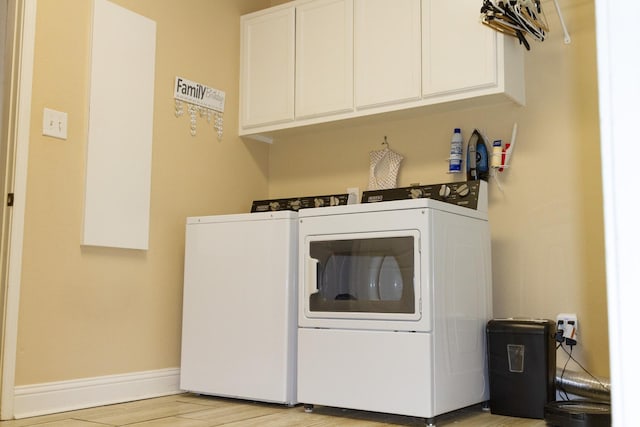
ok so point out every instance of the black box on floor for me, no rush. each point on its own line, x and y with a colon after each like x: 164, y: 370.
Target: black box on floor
x: 522, y: 366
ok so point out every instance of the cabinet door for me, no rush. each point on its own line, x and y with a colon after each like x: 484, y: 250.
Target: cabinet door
x: 459, y: 53
x: 387, y: 51
x: 267, y: 67
x: 324, y: 57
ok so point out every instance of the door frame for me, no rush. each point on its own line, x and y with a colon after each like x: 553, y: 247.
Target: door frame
x: 619, y: 91
x: 21, y: 26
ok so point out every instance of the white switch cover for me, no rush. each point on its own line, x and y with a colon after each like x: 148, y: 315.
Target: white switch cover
x: 54, y: 123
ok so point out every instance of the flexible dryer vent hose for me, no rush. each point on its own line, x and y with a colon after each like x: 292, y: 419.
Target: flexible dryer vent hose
x: 584, y: 385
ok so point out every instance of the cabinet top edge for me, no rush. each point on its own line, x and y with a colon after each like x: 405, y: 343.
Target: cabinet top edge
x: 271, y: 9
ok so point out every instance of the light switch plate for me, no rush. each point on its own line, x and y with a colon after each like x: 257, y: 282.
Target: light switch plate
x: 54, y: 123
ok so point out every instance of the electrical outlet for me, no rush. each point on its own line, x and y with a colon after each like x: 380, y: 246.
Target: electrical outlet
x: 568, y: 324
x: 354, y: 195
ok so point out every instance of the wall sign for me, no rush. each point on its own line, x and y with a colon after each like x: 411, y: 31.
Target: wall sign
x: 199, y: 94
x: 201, y: 100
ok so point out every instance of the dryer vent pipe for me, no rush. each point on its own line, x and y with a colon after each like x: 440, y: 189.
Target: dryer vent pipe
x: 583, y: 385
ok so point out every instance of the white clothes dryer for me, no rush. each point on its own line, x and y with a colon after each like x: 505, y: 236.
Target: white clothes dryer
x: 393, y: 303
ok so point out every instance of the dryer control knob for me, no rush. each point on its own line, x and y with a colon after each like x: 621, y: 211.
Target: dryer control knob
x: 463, y: 190
x: 445, y: 191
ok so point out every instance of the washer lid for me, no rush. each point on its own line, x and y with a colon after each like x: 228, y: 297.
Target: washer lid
x: 257, y: 216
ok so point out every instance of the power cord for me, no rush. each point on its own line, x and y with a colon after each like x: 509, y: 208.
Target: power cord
x: 564, y: 368
x: 569, y: 353
x: 559, y: 336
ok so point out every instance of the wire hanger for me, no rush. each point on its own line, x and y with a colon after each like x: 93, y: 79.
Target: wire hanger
x: 519, y: 19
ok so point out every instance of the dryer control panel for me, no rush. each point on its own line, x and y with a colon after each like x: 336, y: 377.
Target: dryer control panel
x: 464, y: 193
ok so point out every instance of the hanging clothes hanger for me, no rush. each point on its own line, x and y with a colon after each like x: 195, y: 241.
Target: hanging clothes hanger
x: 520, y: 19
x: 528, y: 19
x: 496, y: 15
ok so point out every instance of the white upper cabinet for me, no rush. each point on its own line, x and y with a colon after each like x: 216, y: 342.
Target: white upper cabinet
x: 324, y: 58
x: 308, y: 62
x: 267, y: 67
x: 462, y: 58
x: 387, y: 52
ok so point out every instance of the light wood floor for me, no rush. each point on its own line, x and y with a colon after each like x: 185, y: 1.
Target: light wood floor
x: 189, y: 410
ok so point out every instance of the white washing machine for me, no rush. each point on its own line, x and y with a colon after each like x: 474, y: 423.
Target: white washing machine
x: 393, y: 303
x: 239, y: 311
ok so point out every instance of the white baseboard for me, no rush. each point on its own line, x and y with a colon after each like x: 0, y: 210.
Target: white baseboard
x: 49, y: 398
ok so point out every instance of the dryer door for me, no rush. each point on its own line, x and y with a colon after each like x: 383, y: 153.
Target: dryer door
x: 360, y: 276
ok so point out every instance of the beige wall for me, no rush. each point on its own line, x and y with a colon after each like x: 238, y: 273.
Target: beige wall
x: 92, y: 311
x: 547, y: 226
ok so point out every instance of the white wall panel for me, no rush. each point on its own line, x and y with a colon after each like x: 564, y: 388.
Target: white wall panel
x: 118, y: 170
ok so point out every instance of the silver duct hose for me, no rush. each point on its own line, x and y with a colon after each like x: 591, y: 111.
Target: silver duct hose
x: 584, y: 385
